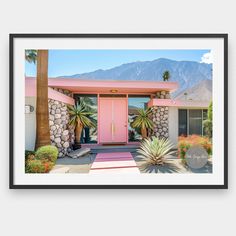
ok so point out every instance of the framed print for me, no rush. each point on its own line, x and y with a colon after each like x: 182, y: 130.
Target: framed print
x: 118, y: 111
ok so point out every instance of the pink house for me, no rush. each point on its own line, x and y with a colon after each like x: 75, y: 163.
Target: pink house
x: 115, y: 104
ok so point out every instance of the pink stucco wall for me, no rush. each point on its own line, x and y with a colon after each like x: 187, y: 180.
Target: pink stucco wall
x: 177, y: 103
x: 30, y: 91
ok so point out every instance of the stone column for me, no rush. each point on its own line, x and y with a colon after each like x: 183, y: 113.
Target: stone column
x: 61, y: 133
x: 160, y: 117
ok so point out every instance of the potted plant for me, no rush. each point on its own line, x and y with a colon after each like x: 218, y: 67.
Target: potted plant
x: 80, y: 117
x: 143, y: 121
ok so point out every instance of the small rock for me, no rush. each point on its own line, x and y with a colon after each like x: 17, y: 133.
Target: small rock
x: 58, y: 121
x: 65, y: 137
x: 53, y: 128
x: 57, y: 140
x: 57, y: 116
x: 66, y: 145
x: 51, y: 117
x: 54, y: 107
x: 59, y: 145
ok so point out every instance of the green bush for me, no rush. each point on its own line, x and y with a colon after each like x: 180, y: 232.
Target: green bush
x: 48, y: 153
x: 38, y: 166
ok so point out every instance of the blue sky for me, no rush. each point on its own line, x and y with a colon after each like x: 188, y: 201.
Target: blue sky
x: 69, y: 62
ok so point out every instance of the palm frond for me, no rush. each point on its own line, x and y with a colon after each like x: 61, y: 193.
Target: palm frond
x: 142, y: 120
x: 31, y: 56
x: 79, y: 113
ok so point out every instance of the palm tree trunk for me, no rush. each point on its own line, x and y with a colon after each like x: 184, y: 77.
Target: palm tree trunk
x: 42, y: 117
x: 78, y: 132
x: 144, y: 132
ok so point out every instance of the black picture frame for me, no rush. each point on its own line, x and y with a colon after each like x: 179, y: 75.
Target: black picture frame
x: 13, y: 36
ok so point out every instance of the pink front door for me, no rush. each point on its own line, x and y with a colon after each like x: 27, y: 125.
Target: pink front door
x: 113, y: 120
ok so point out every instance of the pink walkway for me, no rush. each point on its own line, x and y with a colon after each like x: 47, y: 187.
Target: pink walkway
x: 115, y: 162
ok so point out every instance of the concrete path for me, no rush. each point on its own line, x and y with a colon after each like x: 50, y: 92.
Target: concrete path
x: 114, y: 162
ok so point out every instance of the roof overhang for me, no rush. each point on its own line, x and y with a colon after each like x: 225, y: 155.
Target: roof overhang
x: 178, y: 103
x: 101, y: 86
x: 30, y: 91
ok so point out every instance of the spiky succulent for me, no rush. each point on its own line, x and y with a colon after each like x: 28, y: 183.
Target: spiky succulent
x: 154, y: 150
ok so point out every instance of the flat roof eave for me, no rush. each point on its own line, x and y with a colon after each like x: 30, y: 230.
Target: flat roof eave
x: 103, y: 86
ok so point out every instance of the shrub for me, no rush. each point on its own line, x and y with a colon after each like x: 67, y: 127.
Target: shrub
x: 207, y: 124
x: 154, y: 150
x: 29, y: 155
x: 38, y: 166
x: 48, y: 153
x: 186, y: 142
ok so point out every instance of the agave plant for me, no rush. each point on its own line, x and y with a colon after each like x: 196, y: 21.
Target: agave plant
x: 143, y: 121
x: 80, y: 117
x: 154, y: 150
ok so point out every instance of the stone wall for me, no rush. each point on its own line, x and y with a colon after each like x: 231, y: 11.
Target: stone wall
x: 64, y: 91
x: 160, y: 120
x: 61, y: 133
x: 160, y: 117
x: 163, y: 95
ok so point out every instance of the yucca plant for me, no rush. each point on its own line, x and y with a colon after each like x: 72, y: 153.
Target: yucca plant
x: 154, y: 150
x: 143, y: 121
x: 80, y: 117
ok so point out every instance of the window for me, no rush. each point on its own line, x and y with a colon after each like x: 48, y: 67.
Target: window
x: 89, y: 135
x: 135, y: 102
x: 191, y: 121
x: 183, y: 124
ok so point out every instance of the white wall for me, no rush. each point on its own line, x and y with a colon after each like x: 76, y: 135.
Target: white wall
x: 30, y: 124
x: 173, y: 124
x: 116, y: 212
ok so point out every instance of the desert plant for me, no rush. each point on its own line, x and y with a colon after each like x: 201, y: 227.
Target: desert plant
x: 143, y: 121
x: 38, y: 166
x: 48, y: 153
x: 154, y: 150
x: 185, y: 143
x: 207, y: 124
x: 80, y: 117
x: 166, y: 75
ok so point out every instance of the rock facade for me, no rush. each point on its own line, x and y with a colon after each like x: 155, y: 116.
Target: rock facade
x: 160, y: 120
x: 160, y: 117
x: 61, y: 133
x: 163, y: 95
x: 64, y: 91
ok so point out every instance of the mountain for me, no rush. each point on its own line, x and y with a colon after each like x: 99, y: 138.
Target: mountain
x: 201, y: 92
x: 187, y: 73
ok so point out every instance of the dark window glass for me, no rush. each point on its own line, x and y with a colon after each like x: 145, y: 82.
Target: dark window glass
x: 195, y: 122
x: 204, y: 115
x: 135, y: 103
x: 89, y: 135
x: 183, y: 124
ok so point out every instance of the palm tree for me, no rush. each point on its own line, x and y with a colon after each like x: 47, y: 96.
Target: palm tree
x: 80, y: 118
x: 166, y: 75
x: 42, y: 116
x: 143, y: 121
x: 31, y: 56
